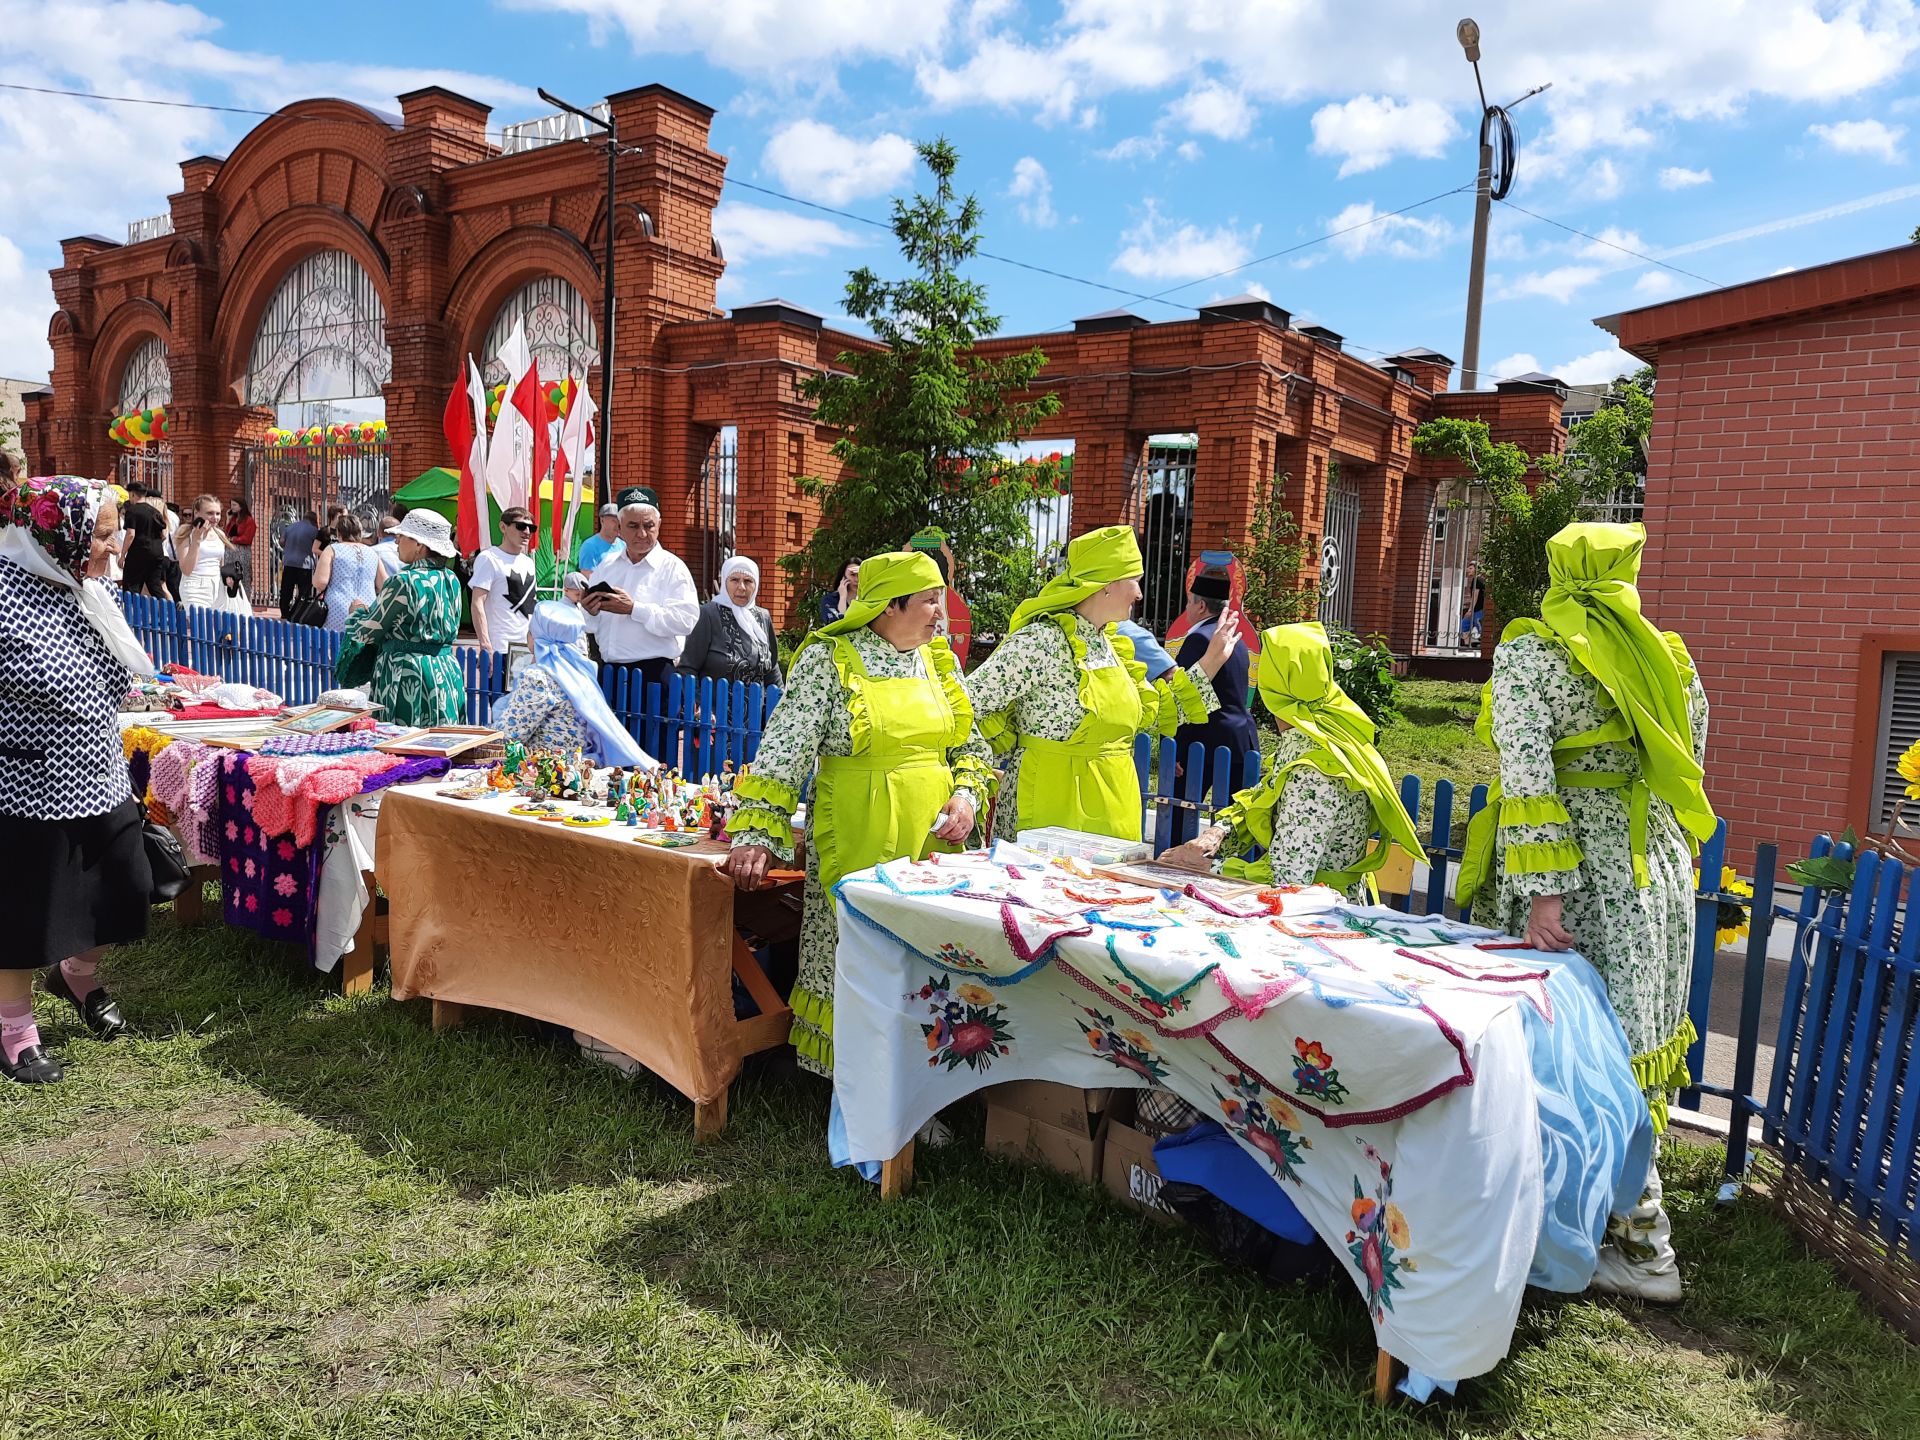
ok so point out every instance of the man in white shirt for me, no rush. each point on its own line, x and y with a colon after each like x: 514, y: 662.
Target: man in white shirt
x: 503, y: 589
x: 648, y: 609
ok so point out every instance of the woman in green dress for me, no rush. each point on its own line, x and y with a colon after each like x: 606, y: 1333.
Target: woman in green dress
x: 875, y: 715
x: 1587, y: 842
x: 403, y: 641
x: 1326, y: 790
x: 1065, y: 696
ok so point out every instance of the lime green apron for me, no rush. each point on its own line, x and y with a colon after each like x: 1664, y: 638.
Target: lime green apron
x: 1087, y: 781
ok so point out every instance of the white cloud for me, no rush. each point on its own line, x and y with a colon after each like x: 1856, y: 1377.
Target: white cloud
x: 1188, y: 150
x: 754, y: 232
x: 1519, y: 363
x: 1034, y: 191
x: 1612, y: 244
x: 1252, y: 287
x: 764, y: 37
x: 1654, y: 284
x: 26, y: 304
x: 1361, y: 230
x: 1561, y: 283
x: 1783, y: 270
x: 1678, y: 177
x: 1596, y: 367
x: 1155, y: 250
x: 1863, y: 137
x: 820, y: 163
x: 1133, y: 149
x: 1367, y: 132
x: 1004, y: 72
x: 1214, y: 110
x: 1603, y: 179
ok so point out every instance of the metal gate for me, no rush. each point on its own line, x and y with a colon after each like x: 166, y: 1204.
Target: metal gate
x: 284, y: 484
x: 715, y: 507
x: 1339, y: 547
x: 1163, y: 514
x: 151, y: 466
x: 1453, y: 546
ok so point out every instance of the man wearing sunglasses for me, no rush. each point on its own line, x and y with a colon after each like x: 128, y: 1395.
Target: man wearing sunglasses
x: 503, y: 591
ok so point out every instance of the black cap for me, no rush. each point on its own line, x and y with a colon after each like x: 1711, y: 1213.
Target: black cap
x: 136, y: 488
x: 1211, y: 584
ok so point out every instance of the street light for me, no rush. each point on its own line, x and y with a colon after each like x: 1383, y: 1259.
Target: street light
x: 602, y: 451
x: 1494, y: 122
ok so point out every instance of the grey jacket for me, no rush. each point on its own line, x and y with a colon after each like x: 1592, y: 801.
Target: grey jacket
x: 719, y: 648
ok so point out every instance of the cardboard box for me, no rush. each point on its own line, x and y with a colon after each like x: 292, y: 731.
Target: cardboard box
x: 1064, y: 1107
x: 1126, y: 1163
x: 1071, y: 1151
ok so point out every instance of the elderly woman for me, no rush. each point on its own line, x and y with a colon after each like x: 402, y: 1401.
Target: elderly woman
x: 1065, y: 695
x: 733, y: 638
x: 556, y: 704
x: 70, y: 836
x: 1325, y: 791
x: 403, y: 641
x: 874, y: 713
x: 1601, y: 726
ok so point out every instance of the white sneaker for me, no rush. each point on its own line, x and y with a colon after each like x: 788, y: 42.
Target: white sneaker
x: 1617, y: 1275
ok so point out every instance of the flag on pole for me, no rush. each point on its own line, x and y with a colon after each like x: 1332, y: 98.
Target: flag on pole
x: 473, y: 471
x: 511, y: 450
x: 457, y: 425
x: 531, y: 401
x: 576, y: 435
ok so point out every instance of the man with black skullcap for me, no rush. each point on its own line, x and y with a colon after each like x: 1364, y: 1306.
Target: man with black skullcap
x: 1232, y: 724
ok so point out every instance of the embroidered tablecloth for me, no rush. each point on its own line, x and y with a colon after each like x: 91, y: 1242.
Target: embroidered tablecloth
x: 1454, y: 1116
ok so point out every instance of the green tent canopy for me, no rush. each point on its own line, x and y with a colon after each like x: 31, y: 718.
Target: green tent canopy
x: 438, y: 490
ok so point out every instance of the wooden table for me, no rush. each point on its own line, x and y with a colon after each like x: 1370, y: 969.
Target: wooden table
x: 630, y: 943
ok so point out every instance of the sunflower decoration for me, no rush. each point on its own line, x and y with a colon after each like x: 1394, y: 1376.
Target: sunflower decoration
x: 1909, y: 767
x: 1732, y: 919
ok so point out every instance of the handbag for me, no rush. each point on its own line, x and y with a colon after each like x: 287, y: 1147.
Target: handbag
x: 167, y: 861
x: 311, y: 611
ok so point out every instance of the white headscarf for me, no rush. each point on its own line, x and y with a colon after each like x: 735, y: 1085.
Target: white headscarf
x: 743, y: 615
x: 18, y: 545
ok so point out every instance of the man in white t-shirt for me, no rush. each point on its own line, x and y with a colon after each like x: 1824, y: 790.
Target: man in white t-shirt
x: 503, y: 591
x: 645, y: 614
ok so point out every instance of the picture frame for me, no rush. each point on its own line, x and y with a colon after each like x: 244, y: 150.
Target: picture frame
x: 445, y: 741
x: 317, y: 720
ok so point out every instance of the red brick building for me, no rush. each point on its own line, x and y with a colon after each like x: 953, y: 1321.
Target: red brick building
x: 344, y: 257
x: 1783, y: 509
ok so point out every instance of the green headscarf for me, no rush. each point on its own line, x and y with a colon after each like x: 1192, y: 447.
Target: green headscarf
x: 1295, y: 678
x: 883, y: 578
x: 1094, y: 561
x: 1592, y: 607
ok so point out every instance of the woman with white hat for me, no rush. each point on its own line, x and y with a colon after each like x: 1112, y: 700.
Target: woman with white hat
x: 403, y: 641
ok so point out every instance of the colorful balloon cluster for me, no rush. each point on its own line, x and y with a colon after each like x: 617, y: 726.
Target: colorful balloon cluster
x: 142, y: 427
x: 355, y: 433
x: 559, y: 395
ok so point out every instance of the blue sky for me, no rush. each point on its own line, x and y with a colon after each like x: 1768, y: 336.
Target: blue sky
x: 1141, y: 144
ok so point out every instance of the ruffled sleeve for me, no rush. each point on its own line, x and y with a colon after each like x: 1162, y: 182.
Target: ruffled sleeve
x: 969, y: 756
x: 769, y: 789
x: 1023, y: 662
x: 1538, y: 851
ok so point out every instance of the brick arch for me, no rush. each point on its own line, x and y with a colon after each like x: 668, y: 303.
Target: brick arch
x: 282, y: 243
x: 327, y: 153
x: 503, y: 265
x: 121, y: 333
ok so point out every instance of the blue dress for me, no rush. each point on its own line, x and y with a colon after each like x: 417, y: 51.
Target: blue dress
x: 354, y: 567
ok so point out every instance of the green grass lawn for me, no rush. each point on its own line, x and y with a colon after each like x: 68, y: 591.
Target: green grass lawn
x: 274, y: 1213
x: 1434, y: 739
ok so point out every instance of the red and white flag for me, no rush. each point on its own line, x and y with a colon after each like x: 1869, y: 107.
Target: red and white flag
x: 465, y: 425
x: 529, y: 400
x: 575, y: 459
x: 510, y: 453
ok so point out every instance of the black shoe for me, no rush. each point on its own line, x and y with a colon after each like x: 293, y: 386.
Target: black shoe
x: 34, y: 1067
x: 100, y: 1010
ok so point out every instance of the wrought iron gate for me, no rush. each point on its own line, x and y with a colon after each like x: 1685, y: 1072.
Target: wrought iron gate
x: 715, y: 507
x: 151, y: 466
x: 1339, y: 548
x: 284, y: 484
x: 1163, y: 514
x: 1453, y: 544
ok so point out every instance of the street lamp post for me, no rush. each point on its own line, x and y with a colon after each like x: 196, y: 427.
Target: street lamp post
x: 1487, y: 189
x: 602, y: 451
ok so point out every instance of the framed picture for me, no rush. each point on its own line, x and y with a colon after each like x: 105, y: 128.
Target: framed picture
x: 442, y: 740
x: 320, y: 720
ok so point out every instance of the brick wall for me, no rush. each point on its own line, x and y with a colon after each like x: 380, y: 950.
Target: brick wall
x: 1783, y: 508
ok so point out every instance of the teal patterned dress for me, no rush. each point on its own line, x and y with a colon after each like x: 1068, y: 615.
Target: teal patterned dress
x: 409, y: 629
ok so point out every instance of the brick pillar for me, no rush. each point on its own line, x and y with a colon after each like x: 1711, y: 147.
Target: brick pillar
x: 205, y: 417
x: 77, y: 428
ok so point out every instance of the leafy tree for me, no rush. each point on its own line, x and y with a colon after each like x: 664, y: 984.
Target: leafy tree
x: 1605, y: 454
x: 922, y: 421
x: 1272, y: 557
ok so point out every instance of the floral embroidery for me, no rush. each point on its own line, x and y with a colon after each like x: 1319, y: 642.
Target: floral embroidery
x: 283, y: 917
x: 286, y: 850
x: 285, y: 884
x: 1265, y: 1122
x: 1128, y: 1049
x: 233, y: 831
x: 958, y: 957
x: 1315, y: 1074
x: 968, y: 1028
x: 1379, y: 1238
x: 1158, y: 1009
x: 248, y: 868
x: 253, y: 902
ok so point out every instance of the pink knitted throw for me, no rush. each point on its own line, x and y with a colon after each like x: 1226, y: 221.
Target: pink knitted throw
x: 290, y: 790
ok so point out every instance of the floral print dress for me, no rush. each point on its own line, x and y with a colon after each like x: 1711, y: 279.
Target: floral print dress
x: 539, y: 715
x: 411, y: 625
x: 813, y: 719
x: 1319, y: 824
x: 1560, y: 835
x: 1033, y: 680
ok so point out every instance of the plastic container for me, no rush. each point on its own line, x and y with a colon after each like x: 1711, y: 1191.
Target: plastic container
x: 1082, y: 845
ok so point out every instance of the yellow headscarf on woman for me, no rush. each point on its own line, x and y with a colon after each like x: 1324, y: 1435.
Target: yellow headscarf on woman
x: 883, y: 578
x: 1295, y: 678
x: 1094, y: 561
x: 1592, y: 607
